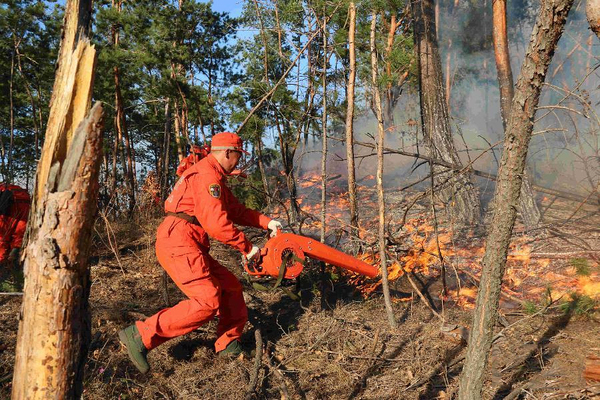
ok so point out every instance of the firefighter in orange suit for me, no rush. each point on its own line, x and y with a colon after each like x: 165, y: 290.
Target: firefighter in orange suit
x: 197, y: 153
x: 201, y: 205
x: 13, y: 222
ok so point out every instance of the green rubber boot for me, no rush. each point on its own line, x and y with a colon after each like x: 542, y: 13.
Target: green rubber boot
x: 131, y: 338
x: 233, y: 349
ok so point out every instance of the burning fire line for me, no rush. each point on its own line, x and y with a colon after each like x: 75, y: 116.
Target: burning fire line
x: 526, y: 278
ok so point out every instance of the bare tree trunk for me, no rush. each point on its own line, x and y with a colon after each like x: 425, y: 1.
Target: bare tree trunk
x: 287, y: 158
x: 259, y: 152
x: 350, y: 121
x: 530, y: 213
x: 546, y: 33
x: 261, y: 168
x: 164, y: 170
x: 380, y: 194
x: 54, y: 331
x: 461, y: 197
x: 120, y: 121
x: 9, y: 173
x: 324, y: 135
x: 178, y: 135
x: 34, y: 108
x: 115, y: 155
x: 389, y: 99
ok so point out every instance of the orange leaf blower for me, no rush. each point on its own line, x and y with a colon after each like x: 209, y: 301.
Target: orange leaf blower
x: 283, y: 256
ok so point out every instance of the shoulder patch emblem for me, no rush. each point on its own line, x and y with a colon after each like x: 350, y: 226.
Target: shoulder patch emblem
x: 215, y: 190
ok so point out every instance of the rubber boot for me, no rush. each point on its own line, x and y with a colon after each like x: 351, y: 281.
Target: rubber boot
x: 132, y: 340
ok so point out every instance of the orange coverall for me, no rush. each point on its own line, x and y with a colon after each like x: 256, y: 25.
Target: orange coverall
x: 198, y: 153
x: 13, y: 225
x: 182, y: 249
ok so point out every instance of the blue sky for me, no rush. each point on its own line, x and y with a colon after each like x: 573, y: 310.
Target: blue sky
x: 233, y: 7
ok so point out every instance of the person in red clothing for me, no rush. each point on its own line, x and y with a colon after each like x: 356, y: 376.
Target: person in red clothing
x: 201, y: 205
x: 197, y: 153
x: 13, y: 222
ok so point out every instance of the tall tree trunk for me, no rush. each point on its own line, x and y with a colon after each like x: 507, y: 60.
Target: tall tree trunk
x: 54, y: 331
x: 120, y: 120
x: 9, y: 173
x: 544, y: 38
x: 34, y: 108
x: 287, y: 158
x: 166, y: 151
x: 461, y: 197
x: 178, y: 131
x: 259, y: 152
x: 261, y: 169
x: 350, y: 121
x: 389, y: 99
x: 530, y: 213
x: 324, y: 135
x: 380, y: 193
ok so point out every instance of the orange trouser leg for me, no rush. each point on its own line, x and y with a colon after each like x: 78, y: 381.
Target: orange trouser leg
x: 211, y: 289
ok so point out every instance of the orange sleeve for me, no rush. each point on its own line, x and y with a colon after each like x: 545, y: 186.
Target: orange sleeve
x: 211, y: 212
x: 242, y: 215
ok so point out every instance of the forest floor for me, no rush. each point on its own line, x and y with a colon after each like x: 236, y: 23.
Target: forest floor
x: 333, y: 343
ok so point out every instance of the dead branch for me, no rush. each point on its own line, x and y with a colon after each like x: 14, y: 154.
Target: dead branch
x: 250, y: 391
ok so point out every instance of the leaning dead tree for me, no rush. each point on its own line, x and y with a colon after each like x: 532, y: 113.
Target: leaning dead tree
x: 530, y: 212
x: 461, y: 197
x: 54, y: 331
x: 546, y: 33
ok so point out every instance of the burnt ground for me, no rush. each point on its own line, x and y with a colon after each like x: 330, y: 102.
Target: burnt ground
x: 331, y: 344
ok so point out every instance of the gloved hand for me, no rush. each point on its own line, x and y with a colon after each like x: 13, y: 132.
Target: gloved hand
x: 274, y: 226
x: 255, y: 251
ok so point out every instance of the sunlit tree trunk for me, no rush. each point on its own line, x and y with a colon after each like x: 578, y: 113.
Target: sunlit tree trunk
x: 324, y: 136
x: 380, y: 193
x: 389, y: 97
x: 166, y: 151
x: 544, y: 38
x: 530, y: 213
x: 12, y: 118
x: 259, y: 148
x: 120, y: 120
x: 350, y: 120
x: 54, y: 331
x: 460, y: 197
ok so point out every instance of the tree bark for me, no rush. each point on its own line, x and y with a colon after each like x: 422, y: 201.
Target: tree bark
x: 350, y: 121
x: 592, y: 11
x: 120, y: 121
x: 389, y: 97
x: 166, y: 148
x: 54, y: 330
x: 544, y: 38
x: 461, y: 198
x: 324, y: 136
x: 380, y: 193
x: 530, y: 213
x: 259, y: 152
